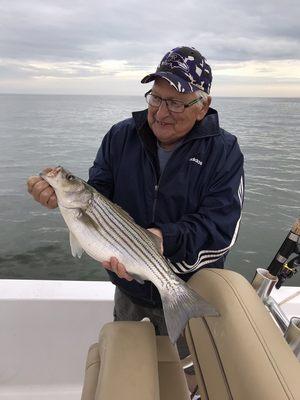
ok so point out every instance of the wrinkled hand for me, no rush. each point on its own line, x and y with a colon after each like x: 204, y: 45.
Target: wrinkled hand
x: 41, y: 191
x: 118, y: 268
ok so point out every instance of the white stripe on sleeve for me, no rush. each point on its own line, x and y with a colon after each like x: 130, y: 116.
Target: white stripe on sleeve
x: 209, y: 256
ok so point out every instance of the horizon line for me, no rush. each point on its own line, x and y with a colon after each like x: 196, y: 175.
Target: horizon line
x: 136, y: 95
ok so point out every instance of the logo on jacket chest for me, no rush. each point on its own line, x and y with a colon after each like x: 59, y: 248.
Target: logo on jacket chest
x: 196, y: 160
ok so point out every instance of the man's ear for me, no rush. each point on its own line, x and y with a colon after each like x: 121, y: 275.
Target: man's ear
x: 204, y: 109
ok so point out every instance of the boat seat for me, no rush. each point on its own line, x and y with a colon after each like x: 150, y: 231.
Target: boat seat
x: 130, y: 363
x: 242, y: 354
x: 239, y: 355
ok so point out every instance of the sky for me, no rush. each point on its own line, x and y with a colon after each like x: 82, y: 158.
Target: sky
x: 107, y: 47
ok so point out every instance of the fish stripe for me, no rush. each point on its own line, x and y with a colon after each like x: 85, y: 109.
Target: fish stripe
x: 124, y: 231
x: 112, y: 221
x: 115, y: 234
x: 108, y: 236
x: 137, y: 249
x: 141, y: 237
x: 136, y: 228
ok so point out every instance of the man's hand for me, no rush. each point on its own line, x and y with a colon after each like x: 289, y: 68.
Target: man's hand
x: 41, y: 191
x: 118, y: 268
x: 158, y: 233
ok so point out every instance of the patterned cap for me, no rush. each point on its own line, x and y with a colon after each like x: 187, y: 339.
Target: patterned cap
x: 185, y: 69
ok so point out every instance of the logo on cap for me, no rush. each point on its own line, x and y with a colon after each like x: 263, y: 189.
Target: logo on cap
x: 175, y: 60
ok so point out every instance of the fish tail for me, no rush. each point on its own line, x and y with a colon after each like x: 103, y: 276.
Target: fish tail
x: 180, y: 306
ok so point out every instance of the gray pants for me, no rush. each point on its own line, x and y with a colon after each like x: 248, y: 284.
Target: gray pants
x: 126, y: 310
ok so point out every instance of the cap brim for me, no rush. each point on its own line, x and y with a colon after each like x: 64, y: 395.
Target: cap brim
x: 178, y: 83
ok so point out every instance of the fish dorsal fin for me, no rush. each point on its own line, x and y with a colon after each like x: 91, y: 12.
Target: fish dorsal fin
x: 155, y: 239
x: 76, y: 248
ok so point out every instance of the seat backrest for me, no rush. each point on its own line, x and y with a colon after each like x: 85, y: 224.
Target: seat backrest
x: 241, y: 354
x: 130, y: 363
x: 123, y: 364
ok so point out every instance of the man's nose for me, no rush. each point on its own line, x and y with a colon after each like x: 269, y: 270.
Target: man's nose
x: 162, y: 110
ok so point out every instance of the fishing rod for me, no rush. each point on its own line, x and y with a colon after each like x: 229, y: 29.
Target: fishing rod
x: 285, y: 263
x: 283, y: 266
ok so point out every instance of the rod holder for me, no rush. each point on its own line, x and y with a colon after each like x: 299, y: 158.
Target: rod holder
x: 277, y: 313
x: 292, y: 336
x: 263, y: 283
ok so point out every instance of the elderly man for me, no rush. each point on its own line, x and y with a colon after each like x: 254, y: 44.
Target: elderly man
x: 176, y: 172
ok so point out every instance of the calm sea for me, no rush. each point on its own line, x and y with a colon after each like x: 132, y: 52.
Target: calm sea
x: 38, y: 131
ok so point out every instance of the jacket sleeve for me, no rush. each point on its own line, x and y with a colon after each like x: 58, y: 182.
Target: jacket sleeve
x: 202, y: 238
x: 100, y: 174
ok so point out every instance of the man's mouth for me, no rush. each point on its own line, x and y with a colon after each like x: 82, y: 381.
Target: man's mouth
x: 162, y: 123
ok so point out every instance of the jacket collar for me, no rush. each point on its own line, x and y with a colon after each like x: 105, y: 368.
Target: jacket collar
x: 146, y: 136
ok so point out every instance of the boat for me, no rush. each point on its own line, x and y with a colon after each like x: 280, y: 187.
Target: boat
x: 58, y: 342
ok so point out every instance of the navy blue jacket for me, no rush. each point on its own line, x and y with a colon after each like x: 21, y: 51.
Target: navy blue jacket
x: 196, y: 201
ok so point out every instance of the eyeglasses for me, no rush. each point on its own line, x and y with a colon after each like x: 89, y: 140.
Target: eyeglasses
x: 175, y: 106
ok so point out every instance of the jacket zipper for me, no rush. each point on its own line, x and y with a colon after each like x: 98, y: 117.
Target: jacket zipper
x: 155, y: 201
x: 156, y: 187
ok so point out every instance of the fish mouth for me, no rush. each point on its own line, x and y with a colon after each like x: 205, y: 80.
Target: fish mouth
x: 50, y: 174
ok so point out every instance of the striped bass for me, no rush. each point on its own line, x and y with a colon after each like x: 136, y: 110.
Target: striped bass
x: 102, y: 229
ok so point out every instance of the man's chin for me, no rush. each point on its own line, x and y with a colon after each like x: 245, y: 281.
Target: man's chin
x: 163, y: 131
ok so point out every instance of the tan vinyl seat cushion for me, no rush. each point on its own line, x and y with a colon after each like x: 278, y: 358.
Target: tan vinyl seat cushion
x: 242, y: 354
x: 131, y: 363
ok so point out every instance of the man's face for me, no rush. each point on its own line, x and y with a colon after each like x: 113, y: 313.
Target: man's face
x: 167, y: 126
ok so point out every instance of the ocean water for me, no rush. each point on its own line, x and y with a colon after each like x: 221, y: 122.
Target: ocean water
x: 40, y: 130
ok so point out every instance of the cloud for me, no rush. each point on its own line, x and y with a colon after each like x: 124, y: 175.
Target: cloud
x: 134, y: 30
x: 69, y: 69
x: 79, y: 39
x: 261, y: 69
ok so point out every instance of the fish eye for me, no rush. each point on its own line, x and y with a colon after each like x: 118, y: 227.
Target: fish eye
x: 70, y: 177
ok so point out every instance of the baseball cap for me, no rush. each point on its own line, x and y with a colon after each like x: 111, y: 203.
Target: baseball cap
x: 185, y: 69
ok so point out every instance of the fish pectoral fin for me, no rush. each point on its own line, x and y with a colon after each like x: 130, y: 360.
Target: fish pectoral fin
x: 76, y: 247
